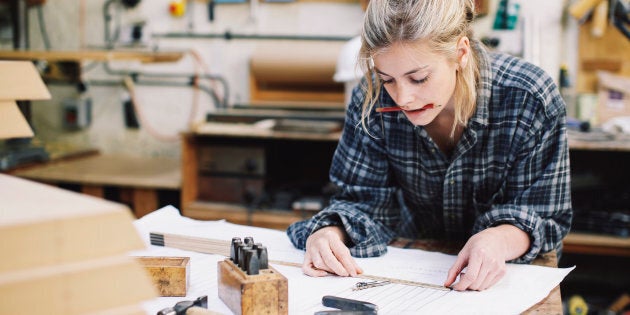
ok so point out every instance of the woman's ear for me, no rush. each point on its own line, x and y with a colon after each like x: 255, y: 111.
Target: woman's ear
x: 463, y: 51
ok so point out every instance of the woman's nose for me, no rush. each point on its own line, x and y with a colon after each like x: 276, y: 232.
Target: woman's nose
x: 404, y: 95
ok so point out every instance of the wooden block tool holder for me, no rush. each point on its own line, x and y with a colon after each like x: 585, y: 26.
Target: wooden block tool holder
x: 264, y: 293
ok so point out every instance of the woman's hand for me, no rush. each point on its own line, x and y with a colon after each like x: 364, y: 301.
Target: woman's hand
x: 327, y: 253
x: 484, y: 255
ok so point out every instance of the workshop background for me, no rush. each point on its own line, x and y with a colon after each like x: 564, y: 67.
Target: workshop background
x: 72, y: 25
x: 155, y: 114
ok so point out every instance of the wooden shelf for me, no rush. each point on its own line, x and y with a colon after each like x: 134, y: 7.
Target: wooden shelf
x: 603, y: 145
x: 95, y: 55
x: 596, y: 244
x: 250, y: 131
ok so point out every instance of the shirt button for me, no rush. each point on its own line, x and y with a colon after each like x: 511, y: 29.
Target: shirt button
x: 452, y: 182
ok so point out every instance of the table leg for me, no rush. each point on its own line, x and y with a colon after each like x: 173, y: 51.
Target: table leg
x: 144, y: 201
x: 92, y: 190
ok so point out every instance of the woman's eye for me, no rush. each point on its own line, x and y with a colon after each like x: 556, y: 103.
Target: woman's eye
x: 420, y: 81
x: 387, y: 81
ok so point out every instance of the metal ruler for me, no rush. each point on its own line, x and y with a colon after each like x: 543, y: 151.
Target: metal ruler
x: 221, y: 247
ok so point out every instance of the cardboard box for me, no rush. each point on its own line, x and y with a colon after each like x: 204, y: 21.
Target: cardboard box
x: 19, y: 81
x: 614, y: 96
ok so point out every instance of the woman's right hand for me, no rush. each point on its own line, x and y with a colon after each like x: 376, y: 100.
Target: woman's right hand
x: 326, y: 253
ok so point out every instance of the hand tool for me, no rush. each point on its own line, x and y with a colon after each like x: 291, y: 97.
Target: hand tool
x: 180, y: 308
x: 349, y: 304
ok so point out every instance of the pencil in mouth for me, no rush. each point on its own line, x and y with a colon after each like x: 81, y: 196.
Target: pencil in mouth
x: 397, y: 108
x: 388, y: 109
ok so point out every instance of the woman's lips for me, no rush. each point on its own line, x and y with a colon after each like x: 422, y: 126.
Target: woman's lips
x: 397, y: 109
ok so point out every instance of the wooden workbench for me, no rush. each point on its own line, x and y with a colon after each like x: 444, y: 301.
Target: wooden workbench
x: 138, y: 179
x: 552, y: 304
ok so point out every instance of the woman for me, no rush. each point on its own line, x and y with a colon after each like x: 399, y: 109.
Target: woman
x: 477, y: 153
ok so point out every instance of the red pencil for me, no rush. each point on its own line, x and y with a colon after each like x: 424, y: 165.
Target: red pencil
x: 388, y: 109
x: 397, y: 109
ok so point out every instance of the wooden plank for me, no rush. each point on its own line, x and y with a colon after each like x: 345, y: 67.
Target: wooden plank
x: 57, y: 226
x: 83, y: 287
x: 95, y: 55
x: 24, y: 84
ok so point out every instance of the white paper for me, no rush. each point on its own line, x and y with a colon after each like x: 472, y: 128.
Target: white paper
x: 522, y: 287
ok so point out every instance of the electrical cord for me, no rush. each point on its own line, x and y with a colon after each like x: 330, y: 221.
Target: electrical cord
x: 143, y: 121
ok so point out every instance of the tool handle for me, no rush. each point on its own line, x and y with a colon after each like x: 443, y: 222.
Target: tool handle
x: 348, y: 304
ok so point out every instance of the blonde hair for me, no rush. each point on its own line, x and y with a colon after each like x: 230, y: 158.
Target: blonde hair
x: 438, y: 23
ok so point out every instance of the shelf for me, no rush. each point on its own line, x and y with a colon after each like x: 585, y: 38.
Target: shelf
x: 274, y: 219
x: 95, y: 55
x: 600, y: 145
x: 585, y: 243
x: 234, y: 130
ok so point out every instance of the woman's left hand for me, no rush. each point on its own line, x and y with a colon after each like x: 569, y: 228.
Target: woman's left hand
x: 484, y: 256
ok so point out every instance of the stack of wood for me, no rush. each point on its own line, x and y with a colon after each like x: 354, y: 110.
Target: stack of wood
x: 67, y: 253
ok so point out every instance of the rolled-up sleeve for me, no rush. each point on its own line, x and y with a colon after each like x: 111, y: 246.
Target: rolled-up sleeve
x: 539, y: 186
x: 365, y: 205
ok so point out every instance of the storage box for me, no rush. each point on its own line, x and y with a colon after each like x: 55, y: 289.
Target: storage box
x: 170, y: 275
x: 614, y: 96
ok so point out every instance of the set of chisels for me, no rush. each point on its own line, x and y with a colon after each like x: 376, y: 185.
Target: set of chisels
x: 249, y: 256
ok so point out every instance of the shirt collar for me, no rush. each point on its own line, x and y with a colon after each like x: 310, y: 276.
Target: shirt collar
x: 484, y: 88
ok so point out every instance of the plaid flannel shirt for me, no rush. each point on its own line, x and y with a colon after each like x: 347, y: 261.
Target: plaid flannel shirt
x: 511, y: 166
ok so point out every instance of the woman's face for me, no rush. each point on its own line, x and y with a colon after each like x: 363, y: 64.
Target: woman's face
x: 420, y: 81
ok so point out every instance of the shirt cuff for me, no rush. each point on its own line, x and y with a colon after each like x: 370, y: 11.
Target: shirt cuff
x: 527, y: 221
x: 300, y: 231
